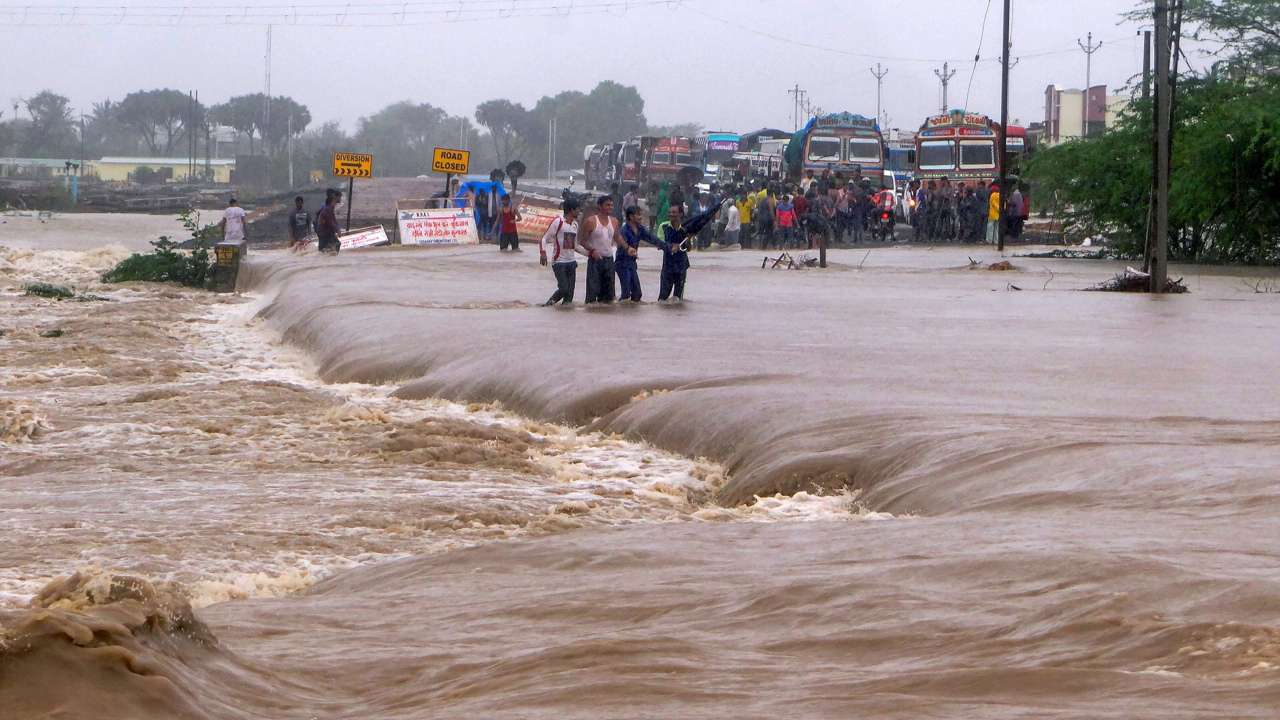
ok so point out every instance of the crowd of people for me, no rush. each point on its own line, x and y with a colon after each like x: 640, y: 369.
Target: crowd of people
x: 966, y: 212
x: 769, y: 214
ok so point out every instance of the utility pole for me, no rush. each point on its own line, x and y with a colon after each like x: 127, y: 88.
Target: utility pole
x: 266, y: 111
x: 289, y: 142
x: 1089, y: 49
x: 1160, y: 198
x: 1004, y: 132
x: 551, y: 150
x: 1150, y: 116
x: 795, y: 94
x: 879, y: 76
x: 945, y: 76
x: 1146, y: 65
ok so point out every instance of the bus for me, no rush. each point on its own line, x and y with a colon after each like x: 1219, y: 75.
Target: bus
x: 713, y: 150
x: 1016, y: 148
x: 959, y: 146
x: 842, y: 142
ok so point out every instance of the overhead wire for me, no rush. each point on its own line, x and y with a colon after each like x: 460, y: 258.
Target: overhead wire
x: 982, y: 35
x: 311, y: 14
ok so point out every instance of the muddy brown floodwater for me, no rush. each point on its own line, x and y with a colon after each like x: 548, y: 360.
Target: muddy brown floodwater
x: 388, y: 485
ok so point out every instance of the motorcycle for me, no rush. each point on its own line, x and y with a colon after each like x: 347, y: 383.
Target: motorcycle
x: 884, y: 229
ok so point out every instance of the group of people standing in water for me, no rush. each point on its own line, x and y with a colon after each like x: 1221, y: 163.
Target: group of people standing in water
x: 612, y: 246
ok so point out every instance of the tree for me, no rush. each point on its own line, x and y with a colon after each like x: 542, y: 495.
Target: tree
x: 248, y: 114
x: 51, y: 131
x: 106, y: 134
x: 286, y: 113
x: 608, y: 113
x: 315, y: 148
x: 1226, y: 174
x: 509, y: 128
x: 1247, y: 31
x: 160, y: 117
x: 688, y: 129
x: 242, y: 113
x: 403, y: 135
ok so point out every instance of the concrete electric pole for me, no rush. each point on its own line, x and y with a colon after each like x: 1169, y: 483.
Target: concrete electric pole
x: 796, y: 94
x: 1089, y: 49
x: 1160, y: 252
x: 945, y: 76
x: 879, y: 76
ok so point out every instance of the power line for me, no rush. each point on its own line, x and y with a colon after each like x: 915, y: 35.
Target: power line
x: 402, y: 14
x: 973, y: 72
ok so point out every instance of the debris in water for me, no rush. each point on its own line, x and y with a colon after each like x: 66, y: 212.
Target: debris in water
x: 1136, y: 281
x: 1070, y: 254
x: 49, y: 290
x: 54, y: 333
x: 786, y: 261
x: 1002, y: 265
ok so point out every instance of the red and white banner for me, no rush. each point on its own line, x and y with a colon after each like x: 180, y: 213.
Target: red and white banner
x: 534, y: 221
x: 364, y: 237
x: 448, y: 226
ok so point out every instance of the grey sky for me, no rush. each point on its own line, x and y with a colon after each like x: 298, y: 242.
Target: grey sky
x: 691, y: 60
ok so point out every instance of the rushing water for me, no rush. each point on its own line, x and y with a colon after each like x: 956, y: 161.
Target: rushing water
x: 390, y: 486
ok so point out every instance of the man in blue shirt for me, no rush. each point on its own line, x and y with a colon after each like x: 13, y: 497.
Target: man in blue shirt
x: 633, y: 233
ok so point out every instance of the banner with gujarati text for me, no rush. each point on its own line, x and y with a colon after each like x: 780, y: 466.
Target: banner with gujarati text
x: 447, y: 226
x: 366, y: 237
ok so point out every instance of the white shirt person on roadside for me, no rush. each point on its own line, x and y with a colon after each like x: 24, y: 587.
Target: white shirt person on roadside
x: 233, y: 223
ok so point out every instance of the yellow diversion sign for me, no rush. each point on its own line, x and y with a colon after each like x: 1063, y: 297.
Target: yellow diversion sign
x: 352, y: 165
x: 451, y: 162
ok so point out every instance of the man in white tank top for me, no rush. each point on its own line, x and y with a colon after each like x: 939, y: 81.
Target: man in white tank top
x: 597, y: 236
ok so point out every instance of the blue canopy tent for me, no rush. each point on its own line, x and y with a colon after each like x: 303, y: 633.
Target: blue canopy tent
x: 475, y: 187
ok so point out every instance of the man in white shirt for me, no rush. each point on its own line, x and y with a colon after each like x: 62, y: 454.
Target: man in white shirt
x: 233, y: 225
x: 559, y: 244
x: 733, y: 227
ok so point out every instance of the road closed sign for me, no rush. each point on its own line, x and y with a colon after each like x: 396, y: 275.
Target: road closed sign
x: 451, y: 162
x: 352, y: 165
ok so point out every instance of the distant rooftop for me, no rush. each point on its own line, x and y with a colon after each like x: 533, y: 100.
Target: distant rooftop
x: 161, y: 161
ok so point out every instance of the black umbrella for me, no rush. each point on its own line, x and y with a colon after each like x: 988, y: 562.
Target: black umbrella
x: 694, y: 225
x: 515, y: 171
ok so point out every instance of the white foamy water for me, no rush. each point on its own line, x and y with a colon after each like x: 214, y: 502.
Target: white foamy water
x: 217, y: 458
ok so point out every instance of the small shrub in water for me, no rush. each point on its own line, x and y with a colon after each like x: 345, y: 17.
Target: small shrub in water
x: 165, y: 264
x: 49, y: 290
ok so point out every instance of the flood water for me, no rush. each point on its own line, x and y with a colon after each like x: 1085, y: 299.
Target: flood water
x: 389, y: 485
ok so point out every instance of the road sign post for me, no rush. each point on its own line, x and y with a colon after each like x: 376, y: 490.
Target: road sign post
x: 352, y: 166
x: 450, y: 161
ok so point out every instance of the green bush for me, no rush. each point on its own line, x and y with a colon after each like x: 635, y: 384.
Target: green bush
x: 165, y: 264
x: 169, y: 264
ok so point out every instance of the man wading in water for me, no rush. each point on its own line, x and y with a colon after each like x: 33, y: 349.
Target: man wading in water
x: 327, y: 223
x: 558, y: 243
x: 633, y: 233
x: 596, y: 237
x: 299, y: 225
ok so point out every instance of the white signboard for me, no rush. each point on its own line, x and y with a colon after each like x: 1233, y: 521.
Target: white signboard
x: 365, y: 237
x: 447, y: 226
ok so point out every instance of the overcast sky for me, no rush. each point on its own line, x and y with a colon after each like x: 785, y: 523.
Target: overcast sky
x: 710, y: 61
